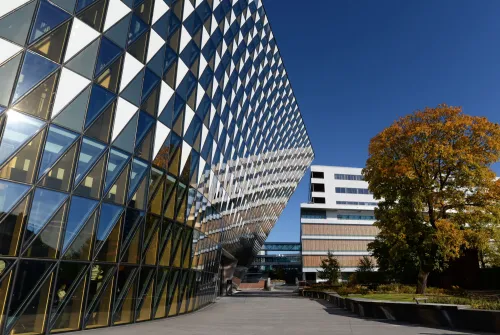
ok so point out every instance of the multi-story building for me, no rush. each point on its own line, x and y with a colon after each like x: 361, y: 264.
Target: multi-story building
x: 146, y: 147
x: 338, y: 218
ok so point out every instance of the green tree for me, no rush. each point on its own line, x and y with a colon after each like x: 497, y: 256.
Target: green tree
x: 440, y: 196
x: 330, y: 269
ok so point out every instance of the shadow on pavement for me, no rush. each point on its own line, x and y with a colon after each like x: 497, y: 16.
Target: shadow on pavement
x: 334, y: 310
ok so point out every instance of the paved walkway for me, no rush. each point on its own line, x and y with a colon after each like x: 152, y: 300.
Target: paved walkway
x: 261, y: 313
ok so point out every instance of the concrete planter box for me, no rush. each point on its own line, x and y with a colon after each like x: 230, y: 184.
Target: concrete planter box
x: 436, y: 315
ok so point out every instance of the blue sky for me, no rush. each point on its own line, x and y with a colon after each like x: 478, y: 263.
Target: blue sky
x: 357, y: 65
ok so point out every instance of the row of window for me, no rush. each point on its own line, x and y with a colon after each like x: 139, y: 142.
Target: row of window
x: 355, y: 217
x: 313, y: 214
x: 357, y: 203
x: 348, y: 176
x: 317, y: 187
x: 352, y: 190
x: 317, y: 200
x: 319, y: 175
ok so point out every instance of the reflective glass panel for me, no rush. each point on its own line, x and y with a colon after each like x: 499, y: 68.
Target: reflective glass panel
x: 19, y: 129
x: 58, y: 140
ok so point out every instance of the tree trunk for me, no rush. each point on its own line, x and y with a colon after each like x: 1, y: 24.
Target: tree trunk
x: 422, y: 281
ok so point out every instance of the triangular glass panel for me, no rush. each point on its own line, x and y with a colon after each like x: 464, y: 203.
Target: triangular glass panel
x: 34, y: 280
x: 84, y: 62
x: 94, y: 15
x: 119, y: 32
x: 139, y: 168
x: 117, y: 161
x: 46, y: 244
x: 163, y: 156
x: 16, y: 25
x: 144, y: 11
x: 117, y: 191
x: 156, y: 203
x: 22, y: 166
x: 128, y: 2
x: 161, y: 294
x: 151, y: 80
x: 131, y: 252
x: 133, y: 91
x: 107, y: 54
x: 144, y: 150
x: 82, y: 244
x: 10, y: 232
x: 52, y: 46
x: 137, y: 27
x: 170, y: 205
x: 91, y: 185
x: 90, y: 151
x: 44, y: 205
x: 143, y: 126
x: 110, y: 77
x: 178, y: 122
x: 68, y: 302
x: 34, y: 69
x: 83, y: 3
x: 151, y: 252
x: 126, y: 139
x: 101, y: 128
x: 125, y: 295
x: 156, y: 178
x: 73, y: 115
x: 60, y: 176
x: 100, y: 295
x: 10, y: 194
x: 152, y: 221
x: 67, y: 5
x: 133, y: 219
x: 174, y: 296
x: 58, y: 141
x: 109, y: 216
x: 110, y: 248
x: 99, y: 100
x: 138, y: 199
x: 47, y: 18
x: 8, y: 72
x: 79, y: 212
x: 138, y: 48
x: 151, y: 104
x: 145, y: 297
x: 156, y: 63
x: 39, y: 101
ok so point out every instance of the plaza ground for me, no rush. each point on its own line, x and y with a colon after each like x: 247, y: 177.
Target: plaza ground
x: 277, y: 313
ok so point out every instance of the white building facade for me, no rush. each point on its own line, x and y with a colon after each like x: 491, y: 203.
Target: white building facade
x: 338, y: 218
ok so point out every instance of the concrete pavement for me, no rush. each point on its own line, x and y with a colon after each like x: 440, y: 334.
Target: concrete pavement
x: 276, y: 313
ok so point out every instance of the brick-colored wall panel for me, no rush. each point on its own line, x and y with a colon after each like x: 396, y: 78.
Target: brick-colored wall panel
x: 334, y: 245
x: 345, y: 261
x: 348, y: 230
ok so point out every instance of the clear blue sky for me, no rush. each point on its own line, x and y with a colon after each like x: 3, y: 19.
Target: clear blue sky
x: 357, y: 65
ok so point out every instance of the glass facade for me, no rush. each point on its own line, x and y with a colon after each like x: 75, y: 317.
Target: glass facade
x: 139, y: 141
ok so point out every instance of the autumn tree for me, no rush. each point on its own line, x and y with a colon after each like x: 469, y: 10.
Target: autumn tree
x: 330, y: 269
x: 439, y: 196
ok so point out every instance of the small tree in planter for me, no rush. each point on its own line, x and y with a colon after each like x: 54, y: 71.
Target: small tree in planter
x: 330, y: 269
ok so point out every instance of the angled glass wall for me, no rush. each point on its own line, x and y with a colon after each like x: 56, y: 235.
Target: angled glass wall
x: 138, y: 140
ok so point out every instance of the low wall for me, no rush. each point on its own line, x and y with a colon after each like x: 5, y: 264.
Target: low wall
x: 436, y: 315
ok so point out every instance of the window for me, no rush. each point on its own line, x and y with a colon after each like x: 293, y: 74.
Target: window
x: 350, y: 190
x: 355, y: 217
x: 316, y: 200
x: 348, y: 176
x: 318, y: 187
x: 357, y: 203
x: 316, y: 174
x: 313, y: 214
